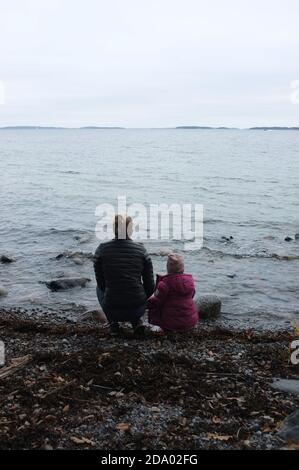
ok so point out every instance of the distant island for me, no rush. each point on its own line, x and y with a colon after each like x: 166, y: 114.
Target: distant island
x: 274, y: 128
x: 54, y: 128
x: 262, y: 128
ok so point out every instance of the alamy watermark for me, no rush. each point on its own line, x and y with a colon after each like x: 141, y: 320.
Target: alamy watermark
x: 294, y: 96
x: 2, y: 353
x: 295, y: 346
x: 2, y: 92
x: 154, y: 222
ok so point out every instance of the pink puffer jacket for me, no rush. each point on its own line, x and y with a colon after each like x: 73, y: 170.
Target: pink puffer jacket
x: 171, y: 306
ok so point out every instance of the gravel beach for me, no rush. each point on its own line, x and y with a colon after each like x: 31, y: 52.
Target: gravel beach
x: 71, y: 386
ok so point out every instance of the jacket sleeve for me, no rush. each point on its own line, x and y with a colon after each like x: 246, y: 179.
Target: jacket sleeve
x: 148, y: 275
x: 98, y: 269
x: 160, y: 295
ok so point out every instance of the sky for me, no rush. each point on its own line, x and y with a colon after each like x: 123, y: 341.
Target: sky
x: 141, y: 63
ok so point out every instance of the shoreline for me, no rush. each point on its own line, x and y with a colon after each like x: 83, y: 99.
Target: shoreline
x: 73, y: 313
x: 79, y: 388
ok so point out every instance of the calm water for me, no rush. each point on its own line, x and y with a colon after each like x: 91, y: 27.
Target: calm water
x: 248, y: 182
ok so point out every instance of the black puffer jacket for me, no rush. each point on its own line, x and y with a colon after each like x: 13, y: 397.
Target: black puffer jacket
x: 124, y: 271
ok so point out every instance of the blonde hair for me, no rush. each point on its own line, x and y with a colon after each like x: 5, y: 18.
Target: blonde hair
x: 123, y: 226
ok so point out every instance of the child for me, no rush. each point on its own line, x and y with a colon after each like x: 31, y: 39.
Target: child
x: 171, y: 307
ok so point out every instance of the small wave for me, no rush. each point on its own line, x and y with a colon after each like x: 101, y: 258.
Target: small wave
x: 248, y: 223
x: 57, y: 231
x: 75, y: 255
x: 274, y: 256
x: 201, y: 188
x: 215, y: 221
x: 70, y: 172
x: 231, y: 178
x: 159, y: 252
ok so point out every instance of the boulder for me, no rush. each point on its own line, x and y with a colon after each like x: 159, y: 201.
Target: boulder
x: 6, y: 259
x: 289, y: 431
x: 3, y: 292
x: 208, y: 306
x: 96, y: 315
x: 65, y: 283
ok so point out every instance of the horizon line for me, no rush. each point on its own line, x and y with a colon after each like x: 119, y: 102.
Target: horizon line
x: 180, y: 127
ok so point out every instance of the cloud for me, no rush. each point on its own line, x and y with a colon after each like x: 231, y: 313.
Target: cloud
x: 139, y: 63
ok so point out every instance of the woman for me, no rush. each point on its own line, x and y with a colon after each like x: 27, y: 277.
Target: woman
x: 124, y: 274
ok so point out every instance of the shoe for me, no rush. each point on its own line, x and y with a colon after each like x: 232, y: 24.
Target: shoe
x: 155, y: 330
x: 139, y: 328
x: 115, y: 329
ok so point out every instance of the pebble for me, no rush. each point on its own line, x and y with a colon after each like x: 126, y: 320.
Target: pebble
x: 47, y: 447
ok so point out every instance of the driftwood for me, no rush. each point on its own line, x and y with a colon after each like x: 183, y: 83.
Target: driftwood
x: 17, y: 364
x: 58, y: 389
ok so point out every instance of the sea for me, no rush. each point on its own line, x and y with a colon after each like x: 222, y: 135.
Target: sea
x: 52, y: 181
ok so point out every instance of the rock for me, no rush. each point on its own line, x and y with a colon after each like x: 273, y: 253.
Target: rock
x: 288, y: 239
x: 65, y: 283
x: 290, y: 428
x: 81, y: 240
x: 285, y: 385
x: 77, y: 256
x: 47, y: 447
x: 297, y: 236
x: 208, y: 306
x: 6, y: 259
x: 159, y: 252
x: 227, y: 239
x: 284, y: 258
x: 78, y: 261
x: 80, y: 254
x: 3, y: 292
x: 96, y: 315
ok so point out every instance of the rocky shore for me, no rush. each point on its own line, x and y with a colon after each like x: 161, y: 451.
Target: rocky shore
x: 72, y: 386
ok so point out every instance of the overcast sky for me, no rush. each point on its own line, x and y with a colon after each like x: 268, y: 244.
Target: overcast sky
x: 149, y: 63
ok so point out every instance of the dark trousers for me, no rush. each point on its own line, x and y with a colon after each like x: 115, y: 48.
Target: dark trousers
x: 132, y: 315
